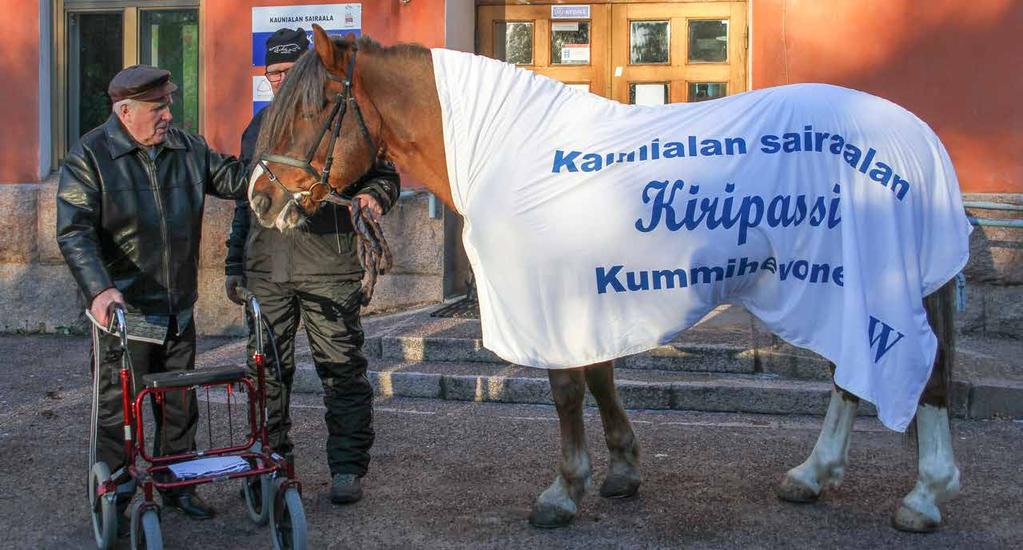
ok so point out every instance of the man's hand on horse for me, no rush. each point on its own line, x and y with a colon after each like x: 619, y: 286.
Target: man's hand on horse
x: 100, y: 307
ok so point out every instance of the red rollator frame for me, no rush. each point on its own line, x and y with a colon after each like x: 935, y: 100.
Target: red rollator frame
x: 269, y: 485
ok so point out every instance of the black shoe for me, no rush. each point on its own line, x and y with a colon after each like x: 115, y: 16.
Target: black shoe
x: 188, y: 503
x: 345, y: 489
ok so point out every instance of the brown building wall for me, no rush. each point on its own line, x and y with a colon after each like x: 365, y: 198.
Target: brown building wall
x: 954, y: 63
x: 19, y: 93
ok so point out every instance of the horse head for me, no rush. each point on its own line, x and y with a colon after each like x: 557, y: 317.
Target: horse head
x: 314, y: 141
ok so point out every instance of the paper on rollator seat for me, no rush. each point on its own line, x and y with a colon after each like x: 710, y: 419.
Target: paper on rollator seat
x: 214, y: 466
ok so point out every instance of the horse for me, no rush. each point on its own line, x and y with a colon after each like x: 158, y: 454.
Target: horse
x: 347, y: 102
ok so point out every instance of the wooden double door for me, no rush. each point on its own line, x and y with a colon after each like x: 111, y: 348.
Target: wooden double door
x: 641, y: 53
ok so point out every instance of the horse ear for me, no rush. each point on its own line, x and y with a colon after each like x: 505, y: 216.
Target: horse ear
x: 324, y: 46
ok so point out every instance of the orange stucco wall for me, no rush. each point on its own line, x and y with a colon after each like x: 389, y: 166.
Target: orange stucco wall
x: 228, y: 53
x: 19, y: 94
x: 955, y: 64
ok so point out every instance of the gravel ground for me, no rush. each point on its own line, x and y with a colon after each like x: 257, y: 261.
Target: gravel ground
x: 463, y: 475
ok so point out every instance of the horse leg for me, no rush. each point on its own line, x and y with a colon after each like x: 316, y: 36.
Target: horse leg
x: 826, y: 464
x: 623, y: 477
x: 937, y: 474
x: 557, y: 505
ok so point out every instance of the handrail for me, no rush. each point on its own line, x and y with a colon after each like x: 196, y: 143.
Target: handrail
x: 993, y: 222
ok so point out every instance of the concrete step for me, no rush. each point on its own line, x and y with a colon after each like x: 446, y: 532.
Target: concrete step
x: 639, y: 389
x: 777, y: 359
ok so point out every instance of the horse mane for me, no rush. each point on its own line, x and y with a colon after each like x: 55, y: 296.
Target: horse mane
x: 302, y: 93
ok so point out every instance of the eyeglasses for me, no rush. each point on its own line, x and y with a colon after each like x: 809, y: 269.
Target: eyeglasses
x: 276, y: 76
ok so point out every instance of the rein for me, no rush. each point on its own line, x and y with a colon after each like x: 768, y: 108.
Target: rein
x: 321, y: 190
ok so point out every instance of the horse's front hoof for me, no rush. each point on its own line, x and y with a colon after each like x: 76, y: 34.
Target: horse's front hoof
x: 619, y: 487
x: 913, y: 521
x: 547, y: 516
x: 794, y: 490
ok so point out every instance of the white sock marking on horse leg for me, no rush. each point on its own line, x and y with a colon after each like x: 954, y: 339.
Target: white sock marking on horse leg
x: 937, y: 474
x: 826, y: 464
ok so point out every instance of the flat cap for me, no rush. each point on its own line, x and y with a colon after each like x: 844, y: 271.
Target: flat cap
x: 141, y: 82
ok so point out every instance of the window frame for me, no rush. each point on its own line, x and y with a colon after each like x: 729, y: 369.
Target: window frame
x: 60, y: 76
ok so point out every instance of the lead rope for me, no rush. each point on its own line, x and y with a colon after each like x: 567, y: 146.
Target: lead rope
x: 337, y: 230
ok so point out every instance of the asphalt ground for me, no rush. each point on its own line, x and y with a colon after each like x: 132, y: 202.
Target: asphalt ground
x: 464, y: 475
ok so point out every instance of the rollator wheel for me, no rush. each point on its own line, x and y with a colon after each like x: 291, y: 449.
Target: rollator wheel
x: 103, y: 508
x: 257, y: 498
x: 145, y: 527
x: 288, y: 528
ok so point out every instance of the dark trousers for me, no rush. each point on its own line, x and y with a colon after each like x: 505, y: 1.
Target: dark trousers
x: 176, y: 421
x: 335, y: 339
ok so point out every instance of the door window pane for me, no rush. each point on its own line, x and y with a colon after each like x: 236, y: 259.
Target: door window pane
x: 702, y: 91
x: 648, y: 42
x: 708, y: 41
x: 94, y: 56
x: 513, y: 42
x: 570, y: 43
x: 169, y: 39
x: 648, y: 93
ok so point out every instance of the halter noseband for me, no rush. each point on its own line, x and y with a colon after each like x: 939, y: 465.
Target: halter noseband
x: 333, y: 124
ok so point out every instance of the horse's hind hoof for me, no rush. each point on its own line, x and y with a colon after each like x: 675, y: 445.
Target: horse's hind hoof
x: 619, y: 487
x: 792, y: 490
x: 912, y: 521
x: 545, y: 516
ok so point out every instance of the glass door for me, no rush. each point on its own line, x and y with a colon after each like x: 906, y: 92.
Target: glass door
x: 95, y: 54
x: 564, y: 42
x: 169, y: 39
x: 670, y: 53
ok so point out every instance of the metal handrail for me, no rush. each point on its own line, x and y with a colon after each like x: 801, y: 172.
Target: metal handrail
x: 992, y: 222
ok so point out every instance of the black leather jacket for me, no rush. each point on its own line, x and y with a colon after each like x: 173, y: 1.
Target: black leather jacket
x: 323, y: 249
x: 125, y: 220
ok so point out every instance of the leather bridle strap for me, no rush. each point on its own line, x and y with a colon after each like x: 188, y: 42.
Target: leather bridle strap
x: 333, y: 125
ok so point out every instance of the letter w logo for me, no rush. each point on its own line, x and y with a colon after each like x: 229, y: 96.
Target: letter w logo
x: 881, y: 336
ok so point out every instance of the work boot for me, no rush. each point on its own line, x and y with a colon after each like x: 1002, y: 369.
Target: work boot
x: 345, y: 489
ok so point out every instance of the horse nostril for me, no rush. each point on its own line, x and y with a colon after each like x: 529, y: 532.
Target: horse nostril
x: 260, y: 204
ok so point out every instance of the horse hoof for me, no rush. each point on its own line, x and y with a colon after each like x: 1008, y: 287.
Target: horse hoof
x: 793, y: 490
x: 545, y: 516
x: 619, y: 487
x: 912, y: 521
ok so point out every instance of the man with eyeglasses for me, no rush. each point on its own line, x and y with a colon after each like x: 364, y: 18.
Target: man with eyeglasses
x: 313, y: 274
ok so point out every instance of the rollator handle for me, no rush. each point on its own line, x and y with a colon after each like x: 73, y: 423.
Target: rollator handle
x: 118, y: 322
x: 257, y: 314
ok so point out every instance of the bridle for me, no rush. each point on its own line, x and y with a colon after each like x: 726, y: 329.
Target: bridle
x: 332, y: 124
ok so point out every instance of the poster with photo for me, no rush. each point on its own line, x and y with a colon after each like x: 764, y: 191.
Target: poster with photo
x: 336, y: 19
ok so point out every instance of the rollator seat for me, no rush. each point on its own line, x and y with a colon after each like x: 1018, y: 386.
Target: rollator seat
x: 215, y: 375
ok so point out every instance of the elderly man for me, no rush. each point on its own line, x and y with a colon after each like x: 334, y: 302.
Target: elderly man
x: 129, y: 218
x: 313, y: 274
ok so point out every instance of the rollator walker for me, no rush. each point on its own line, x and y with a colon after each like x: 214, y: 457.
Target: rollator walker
x: 272, y: 493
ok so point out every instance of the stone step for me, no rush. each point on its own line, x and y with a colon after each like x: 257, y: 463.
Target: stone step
x: 777, y: 359
x: 639, y: 389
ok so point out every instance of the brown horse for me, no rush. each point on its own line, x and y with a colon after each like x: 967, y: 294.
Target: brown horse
x: 389, y: 107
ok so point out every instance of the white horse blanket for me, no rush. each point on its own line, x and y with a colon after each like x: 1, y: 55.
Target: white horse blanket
x: 597, y: 229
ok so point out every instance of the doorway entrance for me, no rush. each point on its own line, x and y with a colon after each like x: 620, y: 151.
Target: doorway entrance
x: 638, y: 53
